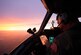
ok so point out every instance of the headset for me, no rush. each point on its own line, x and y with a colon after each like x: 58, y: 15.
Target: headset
x: 64, y: 17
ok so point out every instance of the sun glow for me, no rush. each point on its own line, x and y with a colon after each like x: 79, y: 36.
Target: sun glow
x: 13, y: 28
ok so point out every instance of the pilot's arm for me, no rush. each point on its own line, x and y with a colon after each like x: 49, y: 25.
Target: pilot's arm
x: 52, y: 47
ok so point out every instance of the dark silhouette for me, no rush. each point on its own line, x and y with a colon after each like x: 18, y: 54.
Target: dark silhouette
x: 30, y: 31
x: 34, y: 30
x: 69, y: 41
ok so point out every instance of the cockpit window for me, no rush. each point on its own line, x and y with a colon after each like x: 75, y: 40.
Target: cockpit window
x: 79, y: 19
x: 16, y: 16
x: 52, y: 22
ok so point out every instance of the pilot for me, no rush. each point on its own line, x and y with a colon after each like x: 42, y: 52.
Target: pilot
x: 69, y: 41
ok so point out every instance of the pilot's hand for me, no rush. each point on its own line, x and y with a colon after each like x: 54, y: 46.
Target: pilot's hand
x: 44, y: 40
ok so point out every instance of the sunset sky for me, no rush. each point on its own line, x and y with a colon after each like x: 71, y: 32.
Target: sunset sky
x: 22, y: 14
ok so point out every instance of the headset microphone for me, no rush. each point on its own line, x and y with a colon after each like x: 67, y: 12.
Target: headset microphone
x: 59, y: 24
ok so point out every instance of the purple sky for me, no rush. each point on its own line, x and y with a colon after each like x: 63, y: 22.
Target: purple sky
x: 21, y: 8
x: 26, y: 13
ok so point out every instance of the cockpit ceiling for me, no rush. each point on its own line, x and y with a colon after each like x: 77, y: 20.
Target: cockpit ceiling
x: 73, y: 6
